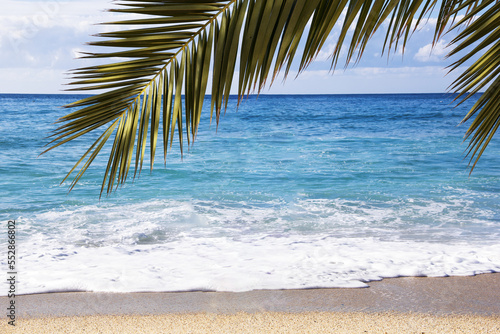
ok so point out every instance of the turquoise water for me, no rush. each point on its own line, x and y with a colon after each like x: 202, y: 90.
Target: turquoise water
x: 288, y: 192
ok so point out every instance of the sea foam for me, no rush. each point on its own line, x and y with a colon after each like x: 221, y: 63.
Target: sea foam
x: 211, y: 246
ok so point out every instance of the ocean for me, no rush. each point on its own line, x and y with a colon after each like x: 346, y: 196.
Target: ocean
x: 288, y: 192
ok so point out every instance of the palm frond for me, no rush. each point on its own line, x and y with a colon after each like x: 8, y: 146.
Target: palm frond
x: 482, y: 33
x: 174, y: 45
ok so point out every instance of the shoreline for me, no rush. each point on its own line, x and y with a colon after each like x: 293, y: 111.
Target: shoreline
x: 477, y: 294
x: 465, y: 304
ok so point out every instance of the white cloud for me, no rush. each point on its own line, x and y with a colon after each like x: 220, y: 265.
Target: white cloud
x: 429, y: 24
x: 31, y: 80
x: 326, y: 52
x: 44, y: 33
x: 367, y: 80
x: 41, y: 39
x: 425, y: 25
x: 430, y: 53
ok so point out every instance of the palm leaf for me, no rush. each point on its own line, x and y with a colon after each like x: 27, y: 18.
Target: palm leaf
x: 172, y: 47
x: 482, y: 32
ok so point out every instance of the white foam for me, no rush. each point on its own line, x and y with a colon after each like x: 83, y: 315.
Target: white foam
x: 180, y: 246
x: 225, y: 264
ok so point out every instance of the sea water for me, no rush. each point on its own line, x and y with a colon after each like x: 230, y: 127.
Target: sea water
x: 288, y: 192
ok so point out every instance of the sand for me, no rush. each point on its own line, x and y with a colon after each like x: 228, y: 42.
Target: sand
x: 275, y: 322
x: 400, y: 305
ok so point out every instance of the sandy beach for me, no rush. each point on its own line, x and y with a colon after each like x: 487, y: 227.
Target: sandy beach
x: 274, y: 322
x: 397, y: 305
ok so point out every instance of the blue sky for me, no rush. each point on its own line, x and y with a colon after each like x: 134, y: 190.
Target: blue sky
x: 40, y: 41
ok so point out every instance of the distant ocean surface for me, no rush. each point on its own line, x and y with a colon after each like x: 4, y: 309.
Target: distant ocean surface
x: 289, y: 192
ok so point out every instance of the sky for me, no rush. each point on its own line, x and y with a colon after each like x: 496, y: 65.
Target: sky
x: 40, y: 41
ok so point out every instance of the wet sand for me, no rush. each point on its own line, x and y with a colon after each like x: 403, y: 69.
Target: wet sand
x: 397, y: 305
